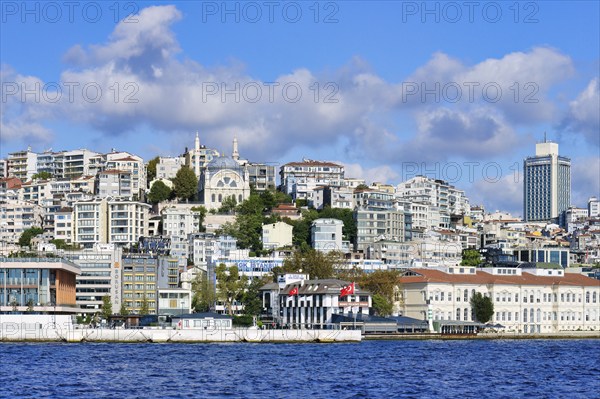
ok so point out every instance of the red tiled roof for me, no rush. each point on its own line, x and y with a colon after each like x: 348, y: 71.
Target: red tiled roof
x: 481, y: 277
x: 12, y: 182
x: 114, y: 171
x: 123, y: 159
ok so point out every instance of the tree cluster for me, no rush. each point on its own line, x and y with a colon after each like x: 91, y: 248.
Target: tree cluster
x: 483, y: 307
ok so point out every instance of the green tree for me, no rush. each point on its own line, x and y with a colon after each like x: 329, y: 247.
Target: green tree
x: 123, y: 311
x: 159, y: 192
x: 470, y: 257
x: 27, y: 235
x: 29, y: 305
x: 483, y: 307
x: 316, y: 264
x: 361, y: 187
x: 201, y: 212
x: 251, y: 298
x: 203, y: 293
x: 106, y: 307
x: 228, y: 205
x: 382, y: 306
x: 151, y: 169
x: 349, y: 229
x: 230, y: 285
x: 145, y: 309
x: 62, y: 244
x: 185, y: 183
x: 41, y: 176
x: 381, y: 282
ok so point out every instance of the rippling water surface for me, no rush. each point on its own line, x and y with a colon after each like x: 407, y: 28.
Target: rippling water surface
x: 371, y: 369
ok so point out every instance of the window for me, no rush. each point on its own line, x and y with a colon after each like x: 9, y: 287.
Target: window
x: 458, y: 314
x: 466, y: 296
x: 594, y: 297
x: 466, y: 314
x: 524, y: 315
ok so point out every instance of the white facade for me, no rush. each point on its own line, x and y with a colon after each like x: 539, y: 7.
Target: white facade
x: 523, y: 301
x: 114, y: 183
x: 125, y: 161
x: 223, y: 178
x: 299, y: 179
x: 277, y: 235
x: 326, y: 234
x: 180, y: 222
x: 167, y: 167
x: 376, y: 223
x: 447, y: 198
x: 22, y: 164
x: 63, y: 224
x: 174, y: 301
x: 16, y: 217
x: 593, y: 207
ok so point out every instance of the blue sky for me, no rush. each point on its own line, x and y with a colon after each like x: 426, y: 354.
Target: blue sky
x: 376, y: 60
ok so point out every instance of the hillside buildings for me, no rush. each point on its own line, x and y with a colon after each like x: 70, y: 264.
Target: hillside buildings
x: 299, y: 179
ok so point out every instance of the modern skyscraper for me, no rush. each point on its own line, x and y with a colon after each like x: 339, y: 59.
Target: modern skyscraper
x: 546, y: 183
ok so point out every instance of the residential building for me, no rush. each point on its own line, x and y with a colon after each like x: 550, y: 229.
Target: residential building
x: 75, y: 163
x: 167, y: 167
x: 63, y: 224
x: 299, y: 179
x: 101, y: 275
x: 37, y: 284
x: 525, y: 300
x: 167, y: 276
x: 124, y: 161
x: 36, y: 191
x: 261, y: 176
x: 437, y: 193
x: 109, y: 221
x: 375, y: 223
x: 114, y: 183
x: 326, y: 234
x: 3, y: 168
x: 9, y: 189
x: 276, y: 235
x: 16, y: 217
x: 593, y: 207
x: 546, y: 183
x: 22, y: 164
x: 139, y: 283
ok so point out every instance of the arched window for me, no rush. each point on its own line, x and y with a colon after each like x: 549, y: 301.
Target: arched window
x: 240, y: 198
x: 466, y: 314
x: 539, y: 315
x: 458, y: 314
x: 220, y: 198
x: 594, y: 297
x: 212, y: 197
x: 466, y: 297
x: 524, y: 315
x: 587, y: 297
x: 531, y: 315
x: 525, y: 296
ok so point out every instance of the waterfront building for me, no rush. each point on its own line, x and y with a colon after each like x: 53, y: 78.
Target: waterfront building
x: 312, y: 303
x: 202, y: 321
x: 174, y: 301
x: 101, y: 275
x: 139, y: 282
x: 525, y: 300
x: 546, y: 183
x: 38, y: 285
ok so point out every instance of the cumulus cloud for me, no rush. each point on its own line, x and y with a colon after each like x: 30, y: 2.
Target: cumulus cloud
x: 584, y: 113
x: 144, y: 81
x: 585, y: 180
x: 381, y: 174
x: 505, y: 194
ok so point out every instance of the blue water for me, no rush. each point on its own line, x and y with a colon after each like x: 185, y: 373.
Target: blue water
x: 371, y: 369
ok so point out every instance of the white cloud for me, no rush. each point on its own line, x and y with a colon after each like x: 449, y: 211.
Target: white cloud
x: 381, y: 174
x: 584, y: 113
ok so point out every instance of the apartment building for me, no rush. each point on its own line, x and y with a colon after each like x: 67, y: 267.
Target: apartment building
x: 139, y: 283
x: 299, y: 179
x: 16, y: 217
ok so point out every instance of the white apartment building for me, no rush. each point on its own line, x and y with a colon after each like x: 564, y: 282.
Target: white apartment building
x: 326, y: 234
x: 180, y: 221
x: 63, y: 224
x: 75, y: 163
x: 22, y: 164
x: 276, y: 235
x: 114, y: 183
x: 124, y: 161
x: 525, y: 300
x: 299, y: 179
x: 3, y: 168
x: 167, y: 167
x: 438, y: 193
x: 422, y: 252
x: 17, y: 216
x: 109, y: 221
x: 593, y: 207
x: 376, y: 223
x: 36, y: 191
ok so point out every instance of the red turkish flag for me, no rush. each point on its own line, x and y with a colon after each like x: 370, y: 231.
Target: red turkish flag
x: 347, y: 290
x: 294, y: 291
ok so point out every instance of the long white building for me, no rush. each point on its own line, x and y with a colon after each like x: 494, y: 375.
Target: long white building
x: 525, y: 300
